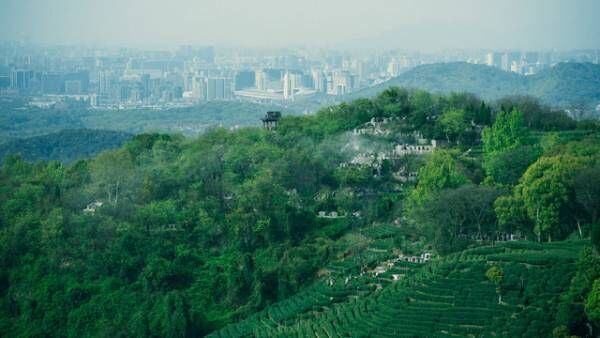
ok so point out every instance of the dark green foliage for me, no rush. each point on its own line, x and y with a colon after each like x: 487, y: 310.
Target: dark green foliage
x: 487, y: 82
x: 449, y: 297
x: 571, y: 310
x: 65, y: 146
x: 564, y: 85
x: 536, y: 115
x: 452, y: 218
x: 17, y: 121
x: 168, y: 236
x: 508, y: 166
x: 596, y: 236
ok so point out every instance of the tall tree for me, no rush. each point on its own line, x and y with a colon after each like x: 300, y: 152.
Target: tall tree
x: 545, y: 190
x: 440, y: 172
x: 506, y: 167
x: 113, y: 171
x: 496, y: 276
x: 507, y: 133
x: 587, y: 191
x: 454, y: 124
x: 592, y: 305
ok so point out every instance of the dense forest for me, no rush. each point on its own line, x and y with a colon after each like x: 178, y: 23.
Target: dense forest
x: 64, y: 146
x: 173, y: 237
x: 18, y: 119
x: 564, y: 85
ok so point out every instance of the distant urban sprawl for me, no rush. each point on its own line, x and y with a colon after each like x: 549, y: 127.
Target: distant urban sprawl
x: 119, y: 78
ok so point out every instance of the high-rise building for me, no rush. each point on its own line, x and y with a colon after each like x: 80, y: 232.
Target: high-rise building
x: 393, y: 68
x: 288, y: 86
x: 52, y: 83
x: 341, y: 83
x: 4, y: 81
x: 261, y: 79
x: 146, y: 86
x: 198, y: 88
x: 274, y: 79
x: 506, y: 62
x: 73, y: 87
x: 244, y: 79
x: 489, y: 59
x: 188, y: 82
x: 211, y: 89
x: 227, y: 89
x: 21, y: 79
x: 307, y: 81
x: 531, y: 57
x: 319, y: 80
x: 4, y: 76
x: 105, y: 82
x: 218, y: 89
x: 82, y: 76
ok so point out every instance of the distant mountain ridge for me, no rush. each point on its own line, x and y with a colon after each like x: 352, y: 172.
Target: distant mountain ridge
x: 563, y: 85
x: 65, y: 146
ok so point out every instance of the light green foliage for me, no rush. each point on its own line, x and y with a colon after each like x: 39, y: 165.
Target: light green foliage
x: 561, y: 332
x: 112, y: 171
x: 506, y: 167
x: 544, y: 190
x: 158, y: 215
x: 507, y: 133
x: 571, y: 310
x: 440, y: 172
x: 592, y: 305
x: 549, y: 141
x: 495, y: 275
x: 454, y: 124
x: 53, y: 227
x: 195, y: 234
x: 511, y: 214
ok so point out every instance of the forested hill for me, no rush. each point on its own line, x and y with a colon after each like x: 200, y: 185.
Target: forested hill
x: 65, y: 146
x: 379, y: 217
x: 562, y: 85
x: 18, y: 120
x: 566, y: 84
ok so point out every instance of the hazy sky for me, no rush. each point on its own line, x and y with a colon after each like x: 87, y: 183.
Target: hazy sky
x: 423, y: 24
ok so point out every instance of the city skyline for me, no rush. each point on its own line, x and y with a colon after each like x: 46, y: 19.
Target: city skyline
x: 378, y: 24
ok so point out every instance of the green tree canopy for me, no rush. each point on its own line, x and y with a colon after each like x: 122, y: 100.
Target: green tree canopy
x: 440, y: 172
x: 508, y: 132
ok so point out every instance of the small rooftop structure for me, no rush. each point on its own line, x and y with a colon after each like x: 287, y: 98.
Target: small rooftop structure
x: 270, y: 120
x: 91, y: 207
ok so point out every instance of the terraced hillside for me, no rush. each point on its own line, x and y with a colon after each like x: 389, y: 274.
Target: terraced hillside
x: 450, y: 297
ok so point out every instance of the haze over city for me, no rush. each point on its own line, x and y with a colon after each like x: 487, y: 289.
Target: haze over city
x: 300, y: 168
x: 424, y: 25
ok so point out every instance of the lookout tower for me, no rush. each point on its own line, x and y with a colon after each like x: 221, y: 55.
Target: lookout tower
x: 270, y: 120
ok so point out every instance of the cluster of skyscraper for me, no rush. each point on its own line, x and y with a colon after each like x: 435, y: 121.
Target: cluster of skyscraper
x: 192, y: 74
x: 526, y: 63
